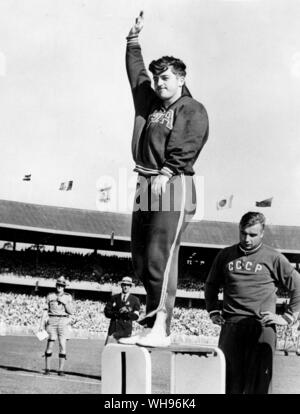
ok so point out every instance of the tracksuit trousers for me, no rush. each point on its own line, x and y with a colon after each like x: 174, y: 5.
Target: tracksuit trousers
x: 249, y: 349
x: 157, y: 226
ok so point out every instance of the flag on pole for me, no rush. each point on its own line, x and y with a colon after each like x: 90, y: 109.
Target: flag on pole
x: 27, y: 177
x: 225, y: 202
x: 66, y: 186
x: 69, y: 186
x: 264, y: 203
x: 105, y: 194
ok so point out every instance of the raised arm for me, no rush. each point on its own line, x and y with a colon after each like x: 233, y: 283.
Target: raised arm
x: 139, y: 79
x: 138, y: 25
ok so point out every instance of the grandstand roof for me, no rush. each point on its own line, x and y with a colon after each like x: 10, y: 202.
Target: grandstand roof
x: 63, y: 219
x: 32, y: 223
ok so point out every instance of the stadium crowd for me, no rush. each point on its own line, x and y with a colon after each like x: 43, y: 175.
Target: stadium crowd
x: 90, y: 267
x: 26, y: 310
x: 78, y: 267
x: 23, y: 310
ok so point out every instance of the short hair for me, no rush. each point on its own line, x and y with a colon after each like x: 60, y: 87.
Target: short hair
x: 251, y: 218
x: 160, y: 65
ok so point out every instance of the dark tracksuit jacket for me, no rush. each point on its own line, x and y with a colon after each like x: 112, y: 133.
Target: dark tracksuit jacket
x: 250, y: 281
x: 165, y: 141
x: 121, y: 323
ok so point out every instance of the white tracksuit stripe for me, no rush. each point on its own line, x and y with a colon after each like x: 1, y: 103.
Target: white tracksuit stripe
x: 169, y: 261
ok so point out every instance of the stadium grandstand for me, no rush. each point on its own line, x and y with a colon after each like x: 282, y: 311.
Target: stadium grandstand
x: 92, y: 250
x: 53, y: 227
x: 62, y: 226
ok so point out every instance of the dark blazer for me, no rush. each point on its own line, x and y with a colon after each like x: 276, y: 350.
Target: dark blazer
x: 121, y: 323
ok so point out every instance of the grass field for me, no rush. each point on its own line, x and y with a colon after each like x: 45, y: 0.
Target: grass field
x: 21, y: 366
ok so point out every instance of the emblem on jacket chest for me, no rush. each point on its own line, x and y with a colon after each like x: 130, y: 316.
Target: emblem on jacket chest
x: 164, y: 118
x: 244, y: 264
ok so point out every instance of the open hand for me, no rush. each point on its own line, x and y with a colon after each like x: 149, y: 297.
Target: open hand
x: 270, y: 318
x: 217, y: 319
x: 61, y: 299
x: 139, y: 23
x: 159, y: 184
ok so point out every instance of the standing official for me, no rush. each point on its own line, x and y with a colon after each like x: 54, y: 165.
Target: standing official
x: 56, y: 319
x: 122, y: 310
x: 170, y: 130
x: 250, y: 273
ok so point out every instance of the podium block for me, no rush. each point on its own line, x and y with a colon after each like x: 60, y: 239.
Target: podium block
x: 126, y: 369
x: 195, y: 369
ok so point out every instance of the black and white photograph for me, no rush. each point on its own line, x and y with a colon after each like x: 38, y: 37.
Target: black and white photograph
x: 149, y: 199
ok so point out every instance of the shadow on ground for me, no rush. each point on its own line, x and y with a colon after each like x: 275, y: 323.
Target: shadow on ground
x: 33, y: 371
